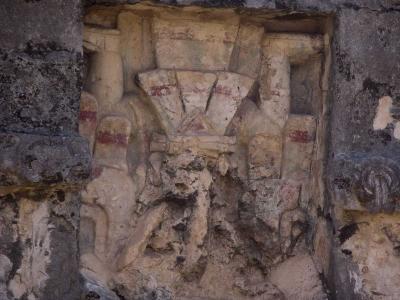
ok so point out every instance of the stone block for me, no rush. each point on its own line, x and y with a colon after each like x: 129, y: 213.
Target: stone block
x: 195, y: 89
x: 39, y: 90
x: 112, y: 142
x: 136, y: 46
x: 273, y: 198
x: 246, y: 57
x: 298, y: 146
x: 35, y: 161
x: 162, y: 88
x: 193, y: 45
x: 227, y: 95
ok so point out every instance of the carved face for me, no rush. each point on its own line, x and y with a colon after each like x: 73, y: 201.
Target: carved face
x: 183, y: 177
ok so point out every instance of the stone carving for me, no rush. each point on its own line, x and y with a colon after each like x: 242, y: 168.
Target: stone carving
x: 379, y: 181
x: 367, y: 183
x: 225, y: 93
x: 202, y: 174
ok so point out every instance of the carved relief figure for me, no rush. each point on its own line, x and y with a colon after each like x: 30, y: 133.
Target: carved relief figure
x: 202, y: 182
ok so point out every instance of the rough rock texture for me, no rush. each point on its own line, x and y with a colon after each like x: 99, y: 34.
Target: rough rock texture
x: 225, y: 219
x: 43, y: 159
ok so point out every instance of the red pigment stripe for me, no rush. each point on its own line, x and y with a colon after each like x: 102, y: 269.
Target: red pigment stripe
x: 115, y: 139
x: 85, y: 115
x: 223, y: 90
x: 300, y: 136
x: 162, y: 90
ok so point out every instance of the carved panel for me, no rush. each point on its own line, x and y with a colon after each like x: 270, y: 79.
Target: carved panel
x: 202, y: 182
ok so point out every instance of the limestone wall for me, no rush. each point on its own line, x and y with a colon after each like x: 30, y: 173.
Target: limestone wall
x: 43, y: 160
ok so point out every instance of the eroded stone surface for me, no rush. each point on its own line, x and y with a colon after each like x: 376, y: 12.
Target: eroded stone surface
x: 217, y: 191
x: 193, y: 45
x: 33, y: 161
x: 373, y: 246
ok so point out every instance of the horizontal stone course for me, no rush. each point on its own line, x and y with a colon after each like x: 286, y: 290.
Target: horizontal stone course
x: 36, y: 161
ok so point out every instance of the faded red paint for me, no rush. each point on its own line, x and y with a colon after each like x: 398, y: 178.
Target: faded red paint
x: 85, y: 115
x: 162, y: 90
x: 223, y: 90
x: 108, y: 138
x: 300, y: 136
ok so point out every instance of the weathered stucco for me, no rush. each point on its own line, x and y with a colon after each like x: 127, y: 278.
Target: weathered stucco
x: 289, y: 189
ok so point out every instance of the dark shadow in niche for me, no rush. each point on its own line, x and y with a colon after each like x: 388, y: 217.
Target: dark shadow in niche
x: 304, y: 87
